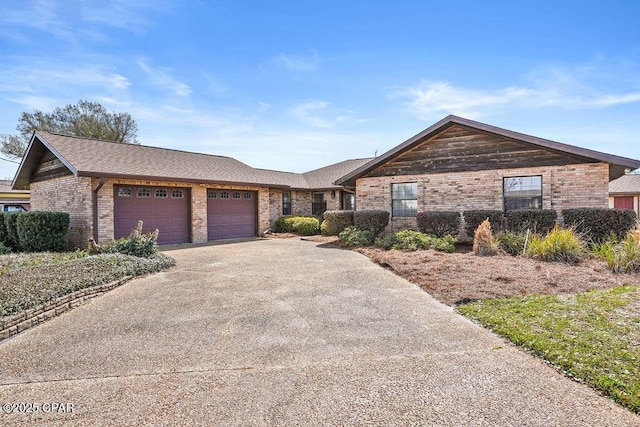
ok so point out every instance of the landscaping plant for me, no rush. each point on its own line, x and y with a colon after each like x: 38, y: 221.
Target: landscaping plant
x: 439, y: 223
x: 597, y: 224
x: 473, y: 218
x: 413, y: 240
x: 539, y: 221
x: 483, y: 244
x: 561, y: 244
x: 137, y: 244
x: 301, y: 224
x: 372, y: 220
x: 336, y: 221
x: 352, y: 237
x: 621, y: 257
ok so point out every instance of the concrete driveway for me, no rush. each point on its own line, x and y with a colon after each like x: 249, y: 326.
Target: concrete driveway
x: 282, y: 332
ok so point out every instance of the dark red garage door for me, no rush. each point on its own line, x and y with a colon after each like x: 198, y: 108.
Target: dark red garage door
x: 231, y: 214
x: 164, y: 208
x: 623, y: 202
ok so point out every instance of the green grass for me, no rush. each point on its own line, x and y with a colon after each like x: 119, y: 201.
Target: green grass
x: 27, y: 280
x: 593, y: 337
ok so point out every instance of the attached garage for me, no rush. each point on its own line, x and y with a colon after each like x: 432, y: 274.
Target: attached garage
x: 231, y: 214
x: 166, y: 209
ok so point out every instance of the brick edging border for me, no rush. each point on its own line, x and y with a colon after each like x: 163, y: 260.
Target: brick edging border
x: 14, y: 324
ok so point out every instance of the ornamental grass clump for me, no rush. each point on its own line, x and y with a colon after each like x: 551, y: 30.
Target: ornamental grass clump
x: 621, y: 257
x: 137, y: 244
x: 561, y: 244
x: 483, y: 244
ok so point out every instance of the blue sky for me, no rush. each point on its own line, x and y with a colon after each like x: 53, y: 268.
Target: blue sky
x: 297, y: 85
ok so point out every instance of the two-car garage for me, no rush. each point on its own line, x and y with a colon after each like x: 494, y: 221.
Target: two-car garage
x: 230, y: 213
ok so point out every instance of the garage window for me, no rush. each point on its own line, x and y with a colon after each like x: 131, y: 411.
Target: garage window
x: 161, y: 193
x: 212, y: 194
x: 224, y: 194
x: 144, y: 192
x: 177, y: 194
x: 124, y: 192
x: 236, y: 195
x: 248, y: 195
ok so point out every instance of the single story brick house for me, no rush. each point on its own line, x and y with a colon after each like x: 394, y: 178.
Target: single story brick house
x: 106, y: 187
x: 624, y: 193
x: 459, y: 164
x: 456, y: 164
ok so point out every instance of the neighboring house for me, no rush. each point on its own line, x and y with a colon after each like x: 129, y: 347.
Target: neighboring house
x: 624, y: 193
x: 459, y: 164
x: 106, y: 187
x: 13, y: 200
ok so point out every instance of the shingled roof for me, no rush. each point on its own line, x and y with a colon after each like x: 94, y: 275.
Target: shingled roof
x: 627, y: 184
x: 95, y: 158
x: 617, y: 164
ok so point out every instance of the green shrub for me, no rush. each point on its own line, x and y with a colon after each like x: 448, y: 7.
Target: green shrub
x: 621, y: 257
x: 136, y: 244
x: 42, y: 231
x: 537, y: 220
x: 351, y: 237
x: 473, y: 219
x: 305, y: 225
x: 373, y: 220
x: 439, y: 223
x: 510, y: 242
x: 411, y: 240
x: 323, y: 228
x: 561, y: 244
x: 3, y: 229
x: 336, y: 221
x: 12, y: 239
x: 4, y: 249
x: 597, y: 224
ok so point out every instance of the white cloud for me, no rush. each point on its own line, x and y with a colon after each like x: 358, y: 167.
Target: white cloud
x: 298, y: 63
x: 319, y: 114
x: 161, y: 78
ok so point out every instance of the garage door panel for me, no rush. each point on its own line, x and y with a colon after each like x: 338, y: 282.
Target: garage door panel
x: 232, y: 216
x: 169, y: 215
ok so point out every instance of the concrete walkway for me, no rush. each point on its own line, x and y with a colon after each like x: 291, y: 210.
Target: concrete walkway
x: 282, y: 332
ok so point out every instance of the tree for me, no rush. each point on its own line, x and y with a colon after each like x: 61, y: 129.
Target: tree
x: 85, y: 119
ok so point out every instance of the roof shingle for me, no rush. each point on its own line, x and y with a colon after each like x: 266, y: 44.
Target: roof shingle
x: 627, y: 184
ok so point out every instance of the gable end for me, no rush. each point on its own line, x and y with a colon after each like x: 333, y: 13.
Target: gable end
x: 50, y: 167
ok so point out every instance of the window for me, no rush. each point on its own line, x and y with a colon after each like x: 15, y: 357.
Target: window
x: 404, y: 199
x: 522, y: 192
x: 177, y: 194
x: 144, y: 192
x: 248, y: 195
x: 224, y: 194
x: 286, y: 203
x: 212, y: 194
x: 236, y: 195
x: 348, y: 201
x: 319, y: 204
x: 161, y: 193
x: 124, y: 192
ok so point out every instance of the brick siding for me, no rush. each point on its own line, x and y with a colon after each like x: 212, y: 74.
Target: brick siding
x: 568, y: 186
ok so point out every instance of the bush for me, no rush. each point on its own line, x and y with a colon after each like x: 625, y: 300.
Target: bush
x: 137, y: 244
x: 439, y: 223
x: 561, y: 244
x: 301, y: 224
x: 597, y: 224
x: 537, y: 220
x: 336, y: 221
x: 3, y: 229
x: 42, y: 231
x: 351, y: 237
x: 372, y: 220
x: 473, y: 218
x: 621, y: 257
x: 4, y: 249
x: 510, y: 242
x: 413, y: 240
x: 12, y: 239
x: 483, y: 244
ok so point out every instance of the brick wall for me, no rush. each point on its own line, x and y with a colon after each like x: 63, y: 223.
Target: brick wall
x: 67, y: 194
x: 568, y: 186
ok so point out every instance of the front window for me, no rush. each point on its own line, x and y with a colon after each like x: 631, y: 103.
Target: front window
x: 523, y: 192
x: 404, y: 199
x: 319, y: 204
x: 348, y: 201
x: 286, y: 203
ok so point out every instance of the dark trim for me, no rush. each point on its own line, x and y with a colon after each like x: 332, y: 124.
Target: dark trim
x: 94, y: 196
x: 450, y: 120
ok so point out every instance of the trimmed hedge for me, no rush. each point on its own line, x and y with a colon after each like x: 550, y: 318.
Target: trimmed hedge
x: 539, y: 221
x: 3, y: 229
x: 597, y: 224
x: 336, y: 221
x: 42, y: 231
x: 473, y: 219
x: 13, y: 241
x: 373, y: 220
x: 439, y: 223
x: 305, y: 225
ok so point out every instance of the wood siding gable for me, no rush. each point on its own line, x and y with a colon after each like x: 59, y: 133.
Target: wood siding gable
x: 459, y: 148
x: 50, y: 167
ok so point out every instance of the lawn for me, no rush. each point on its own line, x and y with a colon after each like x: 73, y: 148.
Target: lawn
x: 27, y: 280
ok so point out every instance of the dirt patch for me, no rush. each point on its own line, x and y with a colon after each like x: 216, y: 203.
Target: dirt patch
x: 463, y: 277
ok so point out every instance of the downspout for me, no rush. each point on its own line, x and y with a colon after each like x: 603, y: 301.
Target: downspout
x: 95, y: 208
